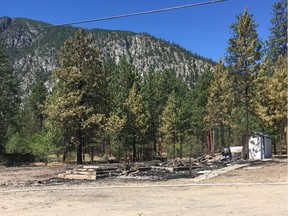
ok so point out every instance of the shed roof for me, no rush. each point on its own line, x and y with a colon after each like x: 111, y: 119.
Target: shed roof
x: 260, y: 134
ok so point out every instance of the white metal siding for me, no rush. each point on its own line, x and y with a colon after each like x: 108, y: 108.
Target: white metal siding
x: 255, y: 147
x: 260, y: 146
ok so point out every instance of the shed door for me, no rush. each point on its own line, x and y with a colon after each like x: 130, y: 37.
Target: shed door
x: 268, y: 147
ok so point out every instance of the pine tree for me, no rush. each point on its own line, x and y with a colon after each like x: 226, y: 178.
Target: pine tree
x: 184, y: 103
x: 243, y: 55
x: 271, y: 103
x: 219, y: 106
x: 78, y: 105
x: 36, y: 102
x: 169, y: 125
x: 277, y: 43
x: 156, y: 87
x: 199, y: 99
x: 8, y: 98
x: 121, y: 77
x: 138, y: 118
x: 154, y: 102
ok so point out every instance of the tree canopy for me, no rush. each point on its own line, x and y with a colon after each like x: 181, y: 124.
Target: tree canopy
x: 78, y: 104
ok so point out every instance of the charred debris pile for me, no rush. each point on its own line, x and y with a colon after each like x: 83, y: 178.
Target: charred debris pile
x: 151, y: 170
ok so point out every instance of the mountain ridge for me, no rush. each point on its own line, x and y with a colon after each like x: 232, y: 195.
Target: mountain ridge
x: 33, y: 48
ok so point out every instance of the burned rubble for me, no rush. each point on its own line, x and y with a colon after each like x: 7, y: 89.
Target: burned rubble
x: 114, y: 173
x: 119, y: 173
x: 155, y: 170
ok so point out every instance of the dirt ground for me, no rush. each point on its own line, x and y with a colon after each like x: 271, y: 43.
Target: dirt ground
x: 260, y: 188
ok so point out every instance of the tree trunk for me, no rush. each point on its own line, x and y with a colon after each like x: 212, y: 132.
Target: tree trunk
x: 92, y: 154
x: 208, y: 142
x: 222, y: 135
x: 79, y: 154
x: 190, y: 160
x: 246, y: 123
x: 134, y: 148
x: 213, y: 143
x: 174, y: 146
x: 229, y: 136
x: 79, y: 147
x: 275, y: 146
x: 181, y: 147
x: 154, y: 147
x: 64, y: 155
x: 286, y: 140
x: 280, y: 144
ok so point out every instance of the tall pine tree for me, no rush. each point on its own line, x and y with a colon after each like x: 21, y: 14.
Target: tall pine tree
x: 169, y: 126
x: 137, y: 116
x: 277, y: 43
x: 78, y: 105
x: 220, y: 100
x: 243, y: 56
x: 8, y: 98
x: 121, y: 77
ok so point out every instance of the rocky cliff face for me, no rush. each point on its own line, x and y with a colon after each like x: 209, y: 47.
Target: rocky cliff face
x: 4, y: 23
x: 33, y: 49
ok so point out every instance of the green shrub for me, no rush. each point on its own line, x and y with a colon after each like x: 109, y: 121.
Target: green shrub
x: 39, y: 144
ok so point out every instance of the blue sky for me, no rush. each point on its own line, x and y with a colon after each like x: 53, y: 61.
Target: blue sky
x: 204, y: 30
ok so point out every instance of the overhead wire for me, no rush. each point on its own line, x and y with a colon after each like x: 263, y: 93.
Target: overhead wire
x: 127, y: 15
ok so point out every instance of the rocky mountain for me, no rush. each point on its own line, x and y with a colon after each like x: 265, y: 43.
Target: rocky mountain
x: 33, y: 47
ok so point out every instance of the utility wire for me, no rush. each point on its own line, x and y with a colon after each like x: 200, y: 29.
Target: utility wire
x: 129, y: 15
x: 140, y: 13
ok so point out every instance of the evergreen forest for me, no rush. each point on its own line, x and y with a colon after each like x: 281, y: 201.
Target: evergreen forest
x: 98, y: 108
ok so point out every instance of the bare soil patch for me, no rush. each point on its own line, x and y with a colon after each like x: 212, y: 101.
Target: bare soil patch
x: 260, y: 188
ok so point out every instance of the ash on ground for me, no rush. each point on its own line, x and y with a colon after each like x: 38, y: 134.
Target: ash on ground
x: 161, y: 171
x: 114, y: 173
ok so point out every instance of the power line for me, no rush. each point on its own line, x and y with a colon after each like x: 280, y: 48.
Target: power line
x: 140, y: 13
x: 129, y: 15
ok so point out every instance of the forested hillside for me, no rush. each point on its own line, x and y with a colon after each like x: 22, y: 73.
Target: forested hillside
x: 116, y: 97
x: 34, y: 47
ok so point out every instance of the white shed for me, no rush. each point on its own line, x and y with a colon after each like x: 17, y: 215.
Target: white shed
x: 260, y: 146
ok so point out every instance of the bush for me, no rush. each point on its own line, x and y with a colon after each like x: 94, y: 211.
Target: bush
x: 15, y: 144
x: 39, y: 144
